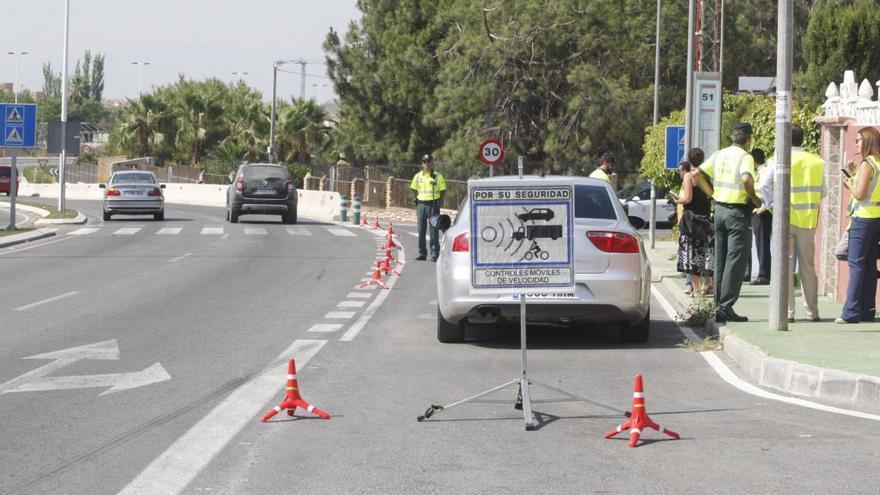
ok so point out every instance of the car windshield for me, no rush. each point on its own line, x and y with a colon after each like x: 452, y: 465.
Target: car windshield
x: 633, y: 190
x: 133, y: 178
x: 269, y: 174
x: 593, y: 202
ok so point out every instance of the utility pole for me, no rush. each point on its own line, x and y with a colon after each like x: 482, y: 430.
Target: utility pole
x: 780, y: 268
x: 15, y: 87
x: 272, y: 120
x: 141, y: 66
x: 653, y: 213
x: 302, y: 81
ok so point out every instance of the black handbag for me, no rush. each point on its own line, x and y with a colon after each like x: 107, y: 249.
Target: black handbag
x: 696, y: 226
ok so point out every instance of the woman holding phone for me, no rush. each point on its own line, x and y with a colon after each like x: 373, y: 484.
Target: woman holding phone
x: 864, y: 231
x: 695, y: 232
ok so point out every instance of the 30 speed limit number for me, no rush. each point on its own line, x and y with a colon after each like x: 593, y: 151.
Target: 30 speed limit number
x: 492, y: 152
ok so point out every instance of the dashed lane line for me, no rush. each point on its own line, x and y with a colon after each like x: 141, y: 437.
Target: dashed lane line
x: 187, y: 255
x: 46, y: 301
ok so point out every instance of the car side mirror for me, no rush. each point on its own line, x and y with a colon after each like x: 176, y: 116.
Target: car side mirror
x: 444, y: 222
x: 102, y: 186
x: 162, y: 186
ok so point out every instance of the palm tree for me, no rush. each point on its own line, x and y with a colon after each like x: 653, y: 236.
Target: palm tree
x: 303, y: 123
x: 146, y: 122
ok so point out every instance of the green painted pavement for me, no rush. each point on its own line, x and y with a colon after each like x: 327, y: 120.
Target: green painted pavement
x: 853, y: 348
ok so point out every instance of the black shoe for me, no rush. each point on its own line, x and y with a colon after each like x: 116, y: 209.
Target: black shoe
x: 421, y: 258
x: 760, y: 281
x: 722, y: 316
x: 815, y: 319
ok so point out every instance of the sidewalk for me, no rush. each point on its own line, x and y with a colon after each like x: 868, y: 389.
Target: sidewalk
x: 837, y: 364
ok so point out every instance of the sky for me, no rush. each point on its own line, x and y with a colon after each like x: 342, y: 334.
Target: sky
x: 198, y: 38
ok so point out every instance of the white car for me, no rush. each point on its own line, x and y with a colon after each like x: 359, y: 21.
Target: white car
x: 636, y: 200
x: 612, y: 274
x: 133, y: 192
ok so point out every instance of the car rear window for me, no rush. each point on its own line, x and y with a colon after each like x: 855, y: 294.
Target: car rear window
x: 263, y: 173
x: 132, y: 178
x: 5, y: 171
x: 593, y: 202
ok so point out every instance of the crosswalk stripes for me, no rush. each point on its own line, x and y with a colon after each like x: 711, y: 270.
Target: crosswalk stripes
x: 342, y: 232
x: 255, y: 231
x: 212, y: 230
x: 208, y: 230
x: 169, y: 231
x: 127, y: 231
x: 298, y: 231
x: 84, y: 231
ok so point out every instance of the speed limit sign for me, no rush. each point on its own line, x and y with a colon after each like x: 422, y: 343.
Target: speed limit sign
x: 491, y: 152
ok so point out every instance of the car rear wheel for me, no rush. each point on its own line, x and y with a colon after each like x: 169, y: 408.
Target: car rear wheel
x: 159, y: 216
x: 449, y: 333
x: 289, y: 217
x: 233, y: 215
x: 107, y: 216
x: 638, y: 333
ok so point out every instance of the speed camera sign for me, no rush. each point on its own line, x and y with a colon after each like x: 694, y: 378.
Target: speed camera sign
x: 492, y: 152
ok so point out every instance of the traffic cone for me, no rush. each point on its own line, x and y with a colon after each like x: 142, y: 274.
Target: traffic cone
x: 365, y: 223
x: 376, y: 280
x: 390, y: 257
x: 292, y: 399
x: 390, y: 228
x: 390, y: 244
x: 386, y: 267
x: 639, y: 420
x: 377, y: 225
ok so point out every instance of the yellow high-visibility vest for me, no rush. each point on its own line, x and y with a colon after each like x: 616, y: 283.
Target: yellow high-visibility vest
x: 870, y: 206
x: 726, y: 167
x: 428, y: 186
x: 807, y: 183
x: 600, y: 174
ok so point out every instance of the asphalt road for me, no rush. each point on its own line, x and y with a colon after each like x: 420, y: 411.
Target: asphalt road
x: 220, y: 311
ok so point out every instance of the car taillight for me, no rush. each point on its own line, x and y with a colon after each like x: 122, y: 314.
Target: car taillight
x: 239, y: 184
x: 461, y: 244
x: 614, y: 242
x: 155, y: 192
x: 112, y: 192
x: 289, y: 187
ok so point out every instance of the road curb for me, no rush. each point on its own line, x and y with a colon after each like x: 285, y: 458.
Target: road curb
x: 32, y: 209
x: 839, y: 388
x: 12, y: 240
x: 79, y: 220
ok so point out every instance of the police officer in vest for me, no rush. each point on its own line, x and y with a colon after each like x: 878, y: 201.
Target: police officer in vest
x: 807, y: 190
x: 605, y: 168
x: 732, y: 172
x: 428, y: 188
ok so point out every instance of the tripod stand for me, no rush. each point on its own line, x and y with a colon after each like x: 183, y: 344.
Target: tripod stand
x: 523, y: 401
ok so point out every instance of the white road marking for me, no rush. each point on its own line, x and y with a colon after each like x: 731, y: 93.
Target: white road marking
x: 369, y: 287
x: 255, y: 231
x: 350, y: 304
x: 342, y: 232
x: 359, y: 325
x: 325, y: 327
x: 84, y: 231
x: 128, y: 231
x: 175, y: 468
x: 727, y: 375
x: 212, y: 230
x: 169, y: 231
x: 225, y: 236
x: 172, y: 260
x: 46, y: 301
x: 358, y: 295
x: 298, y: 231
x: 339, y: 315
x: 427, y: 316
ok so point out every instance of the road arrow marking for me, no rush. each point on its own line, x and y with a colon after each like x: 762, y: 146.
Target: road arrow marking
x: 108, y: 350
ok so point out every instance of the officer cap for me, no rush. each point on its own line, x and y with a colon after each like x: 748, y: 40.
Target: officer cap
x: 608, y: 157
x: 741, y: 129
x: 426, y: 158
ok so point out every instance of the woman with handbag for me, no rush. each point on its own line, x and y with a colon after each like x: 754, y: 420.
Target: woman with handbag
x: 864, y: 231
x: 695, y: 232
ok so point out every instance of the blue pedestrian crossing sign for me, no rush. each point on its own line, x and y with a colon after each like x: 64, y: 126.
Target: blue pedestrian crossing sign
x: 18, y: 125
x: 674, y: 145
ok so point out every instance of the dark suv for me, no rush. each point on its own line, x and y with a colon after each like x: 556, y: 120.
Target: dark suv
x: 264, y: 189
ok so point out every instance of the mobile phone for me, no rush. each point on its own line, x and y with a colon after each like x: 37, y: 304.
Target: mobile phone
x: 846, y: 173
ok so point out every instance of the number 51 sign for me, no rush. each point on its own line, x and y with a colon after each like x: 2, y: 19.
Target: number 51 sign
x: 706, y: 116
x: 492, y: 152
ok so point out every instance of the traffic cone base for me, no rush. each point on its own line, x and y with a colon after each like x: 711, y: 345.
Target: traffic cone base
x: 376, y: 280
x: 639, y: 419
x: 292, y: 398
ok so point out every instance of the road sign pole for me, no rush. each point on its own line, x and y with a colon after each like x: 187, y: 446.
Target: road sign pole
x: 653, y: 211
x: 13, y: 188
x: 689, y: 98
x: 62, y: 165
x: 528, y: 417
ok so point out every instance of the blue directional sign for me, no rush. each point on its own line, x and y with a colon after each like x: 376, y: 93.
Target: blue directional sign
x: 18, y: 125
x: 674, y: 145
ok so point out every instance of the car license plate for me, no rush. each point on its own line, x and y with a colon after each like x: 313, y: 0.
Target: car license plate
x: 133, y: 193
x: 266, y: 192
x: 549, y: 295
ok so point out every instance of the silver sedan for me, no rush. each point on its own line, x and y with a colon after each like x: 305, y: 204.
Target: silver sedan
x: 133, y: 192
x: 612, y: 274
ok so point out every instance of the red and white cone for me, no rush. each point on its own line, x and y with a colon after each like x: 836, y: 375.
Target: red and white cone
x: 386, y: 267
x: 377, y: 225
x: 376, y: 280
x: 389, y: 255
x: 390, y: 244
x: 292, y: 398
x: 390, y: 228
x: 639, y: 420
x: 365, y: 223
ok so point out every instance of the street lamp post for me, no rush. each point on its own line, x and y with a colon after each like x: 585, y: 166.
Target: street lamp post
x: 62, y: 167
x: 15, y: 88
x: 653, y: 225
x: 240, y: 75
x: 275, y: 65
x: 141, y: 66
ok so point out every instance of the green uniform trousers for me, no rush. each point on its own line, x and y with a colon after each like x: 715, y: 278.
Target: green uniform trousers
x: 732, y: 250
